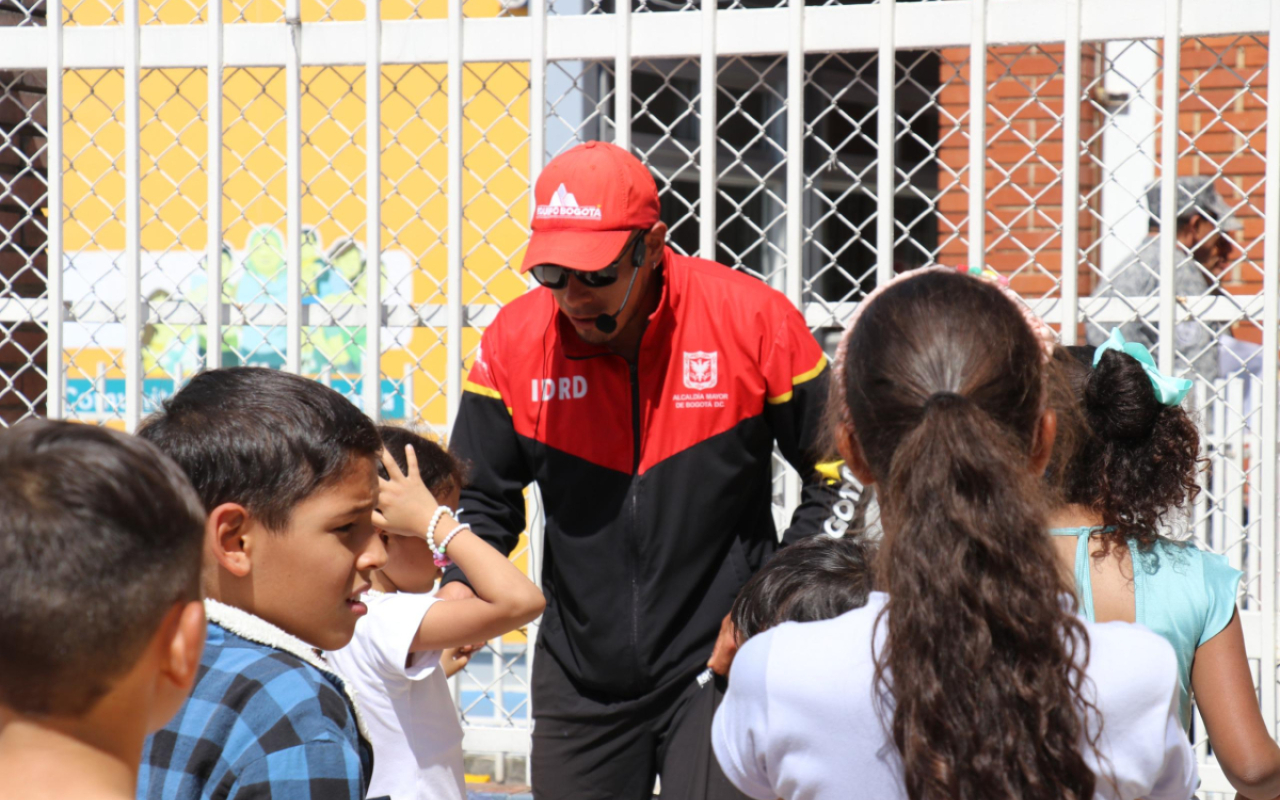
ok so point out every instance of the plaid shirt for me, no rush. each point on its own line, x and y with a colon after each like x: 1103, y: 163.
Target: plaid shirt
x: 266, y: 719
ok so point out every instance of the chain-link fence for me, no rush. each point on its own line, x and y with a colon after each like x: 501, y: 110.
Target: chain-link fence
x: 201, y: 222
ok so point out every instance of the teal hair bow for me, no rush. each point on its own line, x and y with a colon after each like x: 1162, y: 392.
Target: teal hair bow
x: 1169, y: 391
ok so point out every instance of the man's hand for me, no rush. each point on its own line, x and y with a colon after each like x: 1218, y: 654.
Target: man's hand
x: 454, y: 659
x: 726, y: 648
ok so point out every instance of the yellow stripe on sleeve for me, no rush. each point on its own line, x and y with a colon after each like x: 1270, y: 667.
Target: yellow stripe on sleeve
x: 803, y: 377
x: 468, y: 386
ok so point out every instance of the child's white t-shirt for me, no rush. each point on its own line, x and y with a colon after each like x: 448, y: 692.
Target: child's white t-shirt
x: 404, y: 697
x: 800, y: 720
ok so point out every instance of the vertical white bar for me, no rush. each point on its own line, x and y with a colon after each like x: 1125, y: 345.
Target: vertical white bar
x: 133, y: 221
x: 978, y: 135
x: 886, y: 141
x: 707, y: 164
x: 373, y: 209
x: 622, y: 75
x: 54, y: 369
x: 795, y: 153
x: 453, y: 287
x: 537, y: 108
x: 293, y: 186
x: 1270, y: 396
x: 537, y: 93
x: 1169, y: 252
x: 791, y: 486
x: 1070, y: 271
x: 213, y: 314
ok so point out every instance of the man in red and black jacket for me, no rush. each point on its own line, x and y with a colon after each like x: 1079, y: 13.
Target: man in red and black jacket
x: 644, y: 392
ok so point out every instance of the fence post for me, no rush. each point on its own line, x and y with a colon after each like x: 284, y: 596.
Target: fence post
x: 1270, y: 397
x: 373, y: 209
x: 886, y: 142
x: 293, y: 185
x: 978, y: 135
x: 54, y: 369
x: 133, y: 220
x: 1069, y: 320
x: 457, y: 153
x: 213, y: 268
x: 1169, y: 256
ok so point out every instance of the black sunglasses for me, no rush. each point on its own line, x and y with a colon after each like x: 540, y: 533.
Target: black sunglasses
x: 556, y: 277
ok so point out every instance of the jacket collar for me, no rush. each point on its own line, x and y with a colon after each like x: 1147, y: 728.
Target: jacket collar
x: 575, y: 348
x: 258, y: 630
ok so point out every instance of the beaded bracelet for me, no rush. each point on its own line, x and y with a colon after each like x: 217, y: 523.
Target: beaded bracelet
x: 431, y: 531
x: 441, y: 560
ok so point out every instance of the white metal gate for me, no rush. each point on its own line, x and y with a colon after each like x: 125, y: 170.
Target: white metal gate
x: 207, y: 222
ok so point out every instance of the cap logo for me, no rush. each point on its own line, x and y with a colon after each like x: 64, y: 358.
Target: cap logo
x: 564, y: 205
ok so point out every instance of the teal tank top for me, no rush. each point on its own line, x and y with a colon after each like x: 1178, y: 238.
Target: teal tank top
x: 1181, y: 592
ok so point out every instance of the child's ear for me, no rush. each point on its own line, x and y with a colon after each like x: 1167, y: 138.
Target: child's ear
x: 851, y: 451
x: 226, y: 532
x: 186, y: 645
x: 178, y: 644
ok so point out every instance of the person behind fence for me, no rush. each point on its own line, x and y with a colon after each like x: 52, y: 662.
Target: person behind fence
x: 101, y: 625
x: 644, y: 391
x: 285, y: 469
x: 1132, y: 473
x: 968, y: 673
x: 394, y: 661
x: 816, y: 578
x: 1203, y: 250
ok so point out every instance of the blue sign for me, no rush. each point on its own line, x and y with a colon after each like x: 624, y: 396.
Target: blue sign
x: 107, y: 399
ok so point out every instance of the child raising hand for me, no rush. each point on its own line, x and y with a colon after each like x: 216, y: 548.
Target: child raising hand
x: 410, y: 642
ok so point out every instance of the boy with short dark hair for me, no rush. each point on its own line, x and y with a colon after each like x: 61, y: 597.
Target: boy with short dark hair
x: 286, y: 470
x: 813, y: 579
x: 101, y: 624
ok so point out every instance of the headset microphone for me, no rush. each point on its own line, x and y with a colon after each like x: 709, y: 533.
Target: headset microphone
x: 608, y: 323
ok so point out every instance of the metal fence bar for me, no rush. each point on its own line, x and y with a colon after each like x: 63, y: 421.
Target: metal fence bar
x: 978, y: 134
x: 622, y: 74
x: 132, y: 219
x: 213, y: 267
x: 791, y: 484
x: 1270, y: 370
x: 293, y: 185
x: 54, y: 369
x: 886, y: 142
x: 456, y: 154
x: 1070, y: 270
x: 707, y: 167
x: 537, y: 95
x: 372, y: 389
x: 1169, y: 254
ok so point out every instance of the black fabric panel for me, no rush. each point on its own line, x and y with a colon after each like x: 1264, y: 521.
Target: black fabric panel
x: 640, y: 570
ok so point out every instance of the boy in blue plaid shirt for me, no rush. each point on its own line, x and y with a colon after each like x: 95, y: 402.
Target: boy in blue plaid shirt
x: 285, y: 468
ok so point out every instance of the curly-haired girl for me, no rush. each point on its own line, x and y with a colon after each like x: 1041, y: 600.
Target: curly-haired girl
x: 968, y: 675
x: 1133, y: 469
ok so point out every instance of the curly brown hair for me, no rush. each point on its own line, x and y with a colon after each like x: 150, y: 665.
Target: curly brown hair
x: 986, y: 659
x: 1136, y: 461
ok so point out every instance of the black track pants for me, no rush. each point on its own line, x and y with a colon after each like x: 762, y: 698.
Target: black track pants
x: 595, y: 749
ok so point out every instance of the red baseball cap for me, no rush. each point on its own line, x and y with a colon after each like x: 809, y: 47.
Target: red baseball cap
x: 588, y: 202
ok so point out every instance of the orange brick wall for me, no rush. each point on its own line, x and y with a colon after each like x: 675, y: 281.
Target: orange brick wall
x: 1219, y: 68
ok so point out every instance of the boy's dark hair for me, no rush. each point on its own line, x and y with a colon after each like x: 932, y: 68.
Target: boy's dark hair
x: 819, y: 577
x: 100, y: 535
x: 259, y: 437
x: 1137, y: 460
x: 441, y: 471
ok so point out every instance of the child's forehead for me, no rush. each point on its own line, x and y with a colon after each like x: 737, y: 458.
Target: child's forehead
x: 356, y: 487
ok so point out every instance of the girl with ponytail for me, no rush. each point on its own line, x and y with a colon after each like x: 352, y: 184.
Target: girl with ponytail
x: 967, y: 675
x: 1132, y: 472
